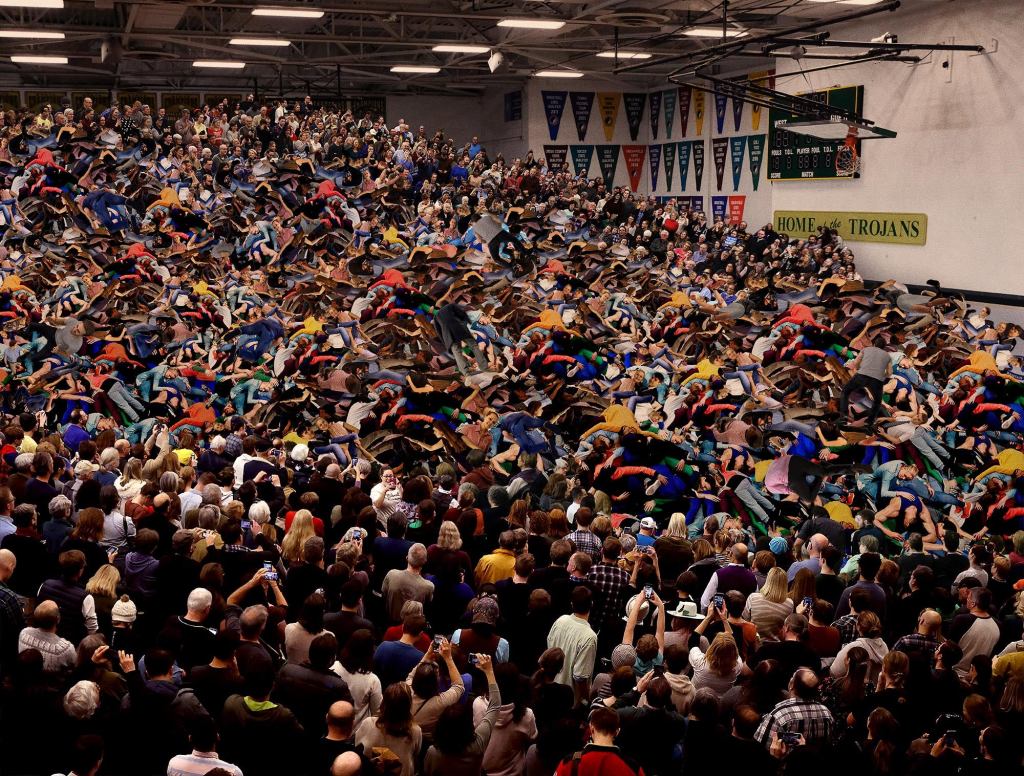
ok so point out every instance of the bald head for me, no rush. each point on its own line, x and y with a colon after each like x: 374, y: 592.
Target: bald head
x: 347, y: 764
x: 7, y: 564
x: 333, y: 472
x: 739, y: 553
x: 929, y: 623
x: 804, y: 684
x: 339, y: 720
x: 818, y: 543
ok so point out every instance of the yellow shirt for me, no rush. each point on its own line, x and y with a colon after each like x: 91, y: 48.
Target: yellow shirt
x: 1012, y: 663
x: 28, y: 445
x: 840, y: 512
x: 494, y: 567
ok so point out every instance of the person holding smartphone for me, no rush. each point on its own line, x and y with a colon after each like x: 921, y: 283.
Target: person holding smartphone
x: 450, y: 755
x: 428, y: 702
x: 719, y: 667
x: 649, y: 649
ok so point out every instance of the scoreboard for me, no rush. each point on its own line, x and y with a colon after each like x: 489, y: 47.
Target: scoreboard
x: 792, y: 156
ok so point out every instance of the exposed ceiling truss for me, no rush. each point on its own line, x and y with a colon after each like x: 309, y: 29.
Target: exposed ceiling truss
x: 144, y: 44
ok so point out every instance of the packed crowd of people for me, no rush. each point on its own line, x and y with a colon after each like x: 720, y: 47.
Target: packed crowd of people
x: 334, y: 447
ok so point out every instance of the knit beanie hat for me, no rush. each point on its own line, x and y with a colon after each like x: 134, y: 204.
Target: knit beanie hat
x: 124, y: 611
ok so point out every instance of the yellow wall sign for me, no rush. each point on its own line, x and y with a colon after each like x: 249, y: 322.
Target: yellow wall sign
x: 900, y: 228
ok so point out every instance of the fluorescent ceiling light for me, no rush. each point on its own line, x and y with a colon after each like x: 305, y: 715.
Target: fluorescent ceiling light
x: 39, y: 60
x: 415, y: 69
x: 295, y: 13
x: 459, y: 48
x: 713, y: 32
x: 259, y: 42
x: 223, y: 64
x: 848, y: 2
x: 32, y: 34
x: 625, y: 55
x: 32, y: 3
x: 558, y: 74
x: 532, y: 24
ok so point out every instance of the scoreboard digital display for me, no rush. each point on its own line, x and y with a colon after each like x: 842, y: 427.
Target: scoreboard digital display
x: 792, y: 156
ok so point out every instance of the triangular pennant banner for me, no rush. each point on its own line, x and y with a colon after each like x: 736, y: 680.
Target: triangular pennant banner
x: 684, y: 163
x: 608, y: 161
x: 756, y: 156
x: 581, y: 103
x: 634, y: 156
x: 608, y: 107
x: 555, y: 156
x: 581, y: 157
x: 655, y: 113
x: 698, y: 161
x: 685, y: 94
x: 554, y: 106
x: 719, y: 150
x: 634, y: 102
x: 737, y: 145
x: 669, y: 155
x: 698, y: 111
x: 760, y: 78
x: 654, y: 159
x: 737, y: 105
x: 668, y: 99
x: 720, y: 101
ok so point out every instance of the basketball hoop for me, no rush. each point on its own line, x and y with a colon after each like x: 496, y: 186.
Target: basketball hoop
x: 847, y: 158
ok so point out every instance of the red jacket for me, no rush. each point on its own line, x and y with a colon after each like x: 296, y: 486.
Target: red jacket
x: 599, y: 761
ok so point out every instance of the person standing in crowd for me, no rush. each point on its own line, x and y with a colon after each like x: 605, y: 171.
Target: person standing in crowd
x: 343, y: 429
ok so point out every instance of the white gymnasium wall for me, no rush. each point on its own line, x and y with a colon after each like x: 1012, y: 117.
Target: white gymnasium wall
x: 497, y: 135
x: 464, y: 117
x: 957, y: 156
x: 458, y: 116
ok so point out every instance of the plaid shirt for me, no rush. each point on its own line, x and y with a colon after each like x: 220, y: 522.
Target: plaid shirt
x: 11, y: 623
x: 233, y: 446
x: 917, y: 645
x: 810, y: 718
x: 611, y: 589
x: 847, y: 625
x: 586, y: 542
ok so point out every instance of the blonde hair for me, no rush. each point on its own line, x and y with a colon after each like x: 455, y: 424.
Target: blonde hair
x: 722, y: 655
x: 151, y: 470
x: 676, y: 526
x: 301, y: 529
x: 104, y: 581
x: 448, y: 536
x: 775, y: 587
x: 602, y: 503
x: 132, y: 471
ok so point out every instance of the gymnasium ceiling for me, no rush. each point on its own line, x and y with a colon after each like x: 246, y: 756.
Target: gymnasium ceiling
x: 142, y: 44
